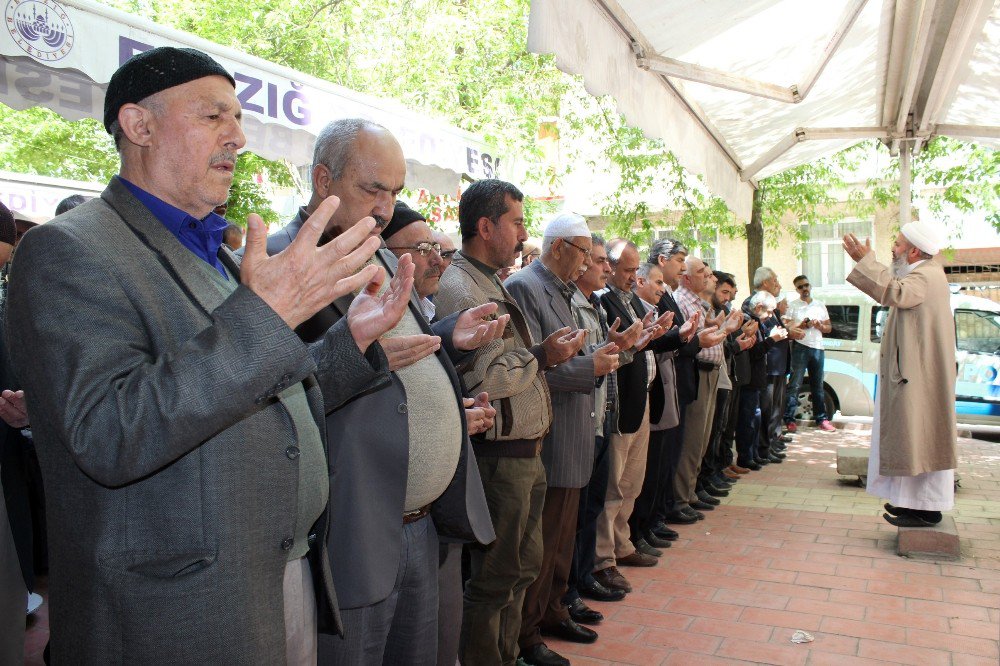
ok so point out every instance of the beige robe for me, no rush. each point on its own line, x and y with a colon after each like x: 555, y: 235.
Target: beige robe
x: 916, y: 381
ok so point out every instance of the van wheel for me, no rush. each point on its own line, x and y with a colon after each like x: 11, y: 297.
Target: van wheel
x: 804, y: 411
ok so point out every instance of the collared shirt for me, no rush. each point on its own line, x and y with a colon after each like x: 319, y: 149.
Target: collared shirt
x: 689, y: 303
x: 427, y: 308
x: 567, y: 289
x: 203, y: 237
x: 488, y: 271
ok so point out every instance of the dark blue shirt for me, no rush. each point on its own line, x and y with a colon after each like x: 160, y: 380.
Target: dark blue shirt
x: 203, y: 237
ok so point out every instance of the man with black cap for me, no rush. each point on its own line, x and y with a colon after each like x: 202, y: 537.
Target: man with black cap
x: 178, y: 418
x: 408, y: 233
x: 399, y: 456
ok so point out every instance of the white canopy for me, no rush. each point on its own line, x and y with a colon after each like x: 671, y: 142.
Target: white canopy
x: 742, y: 89
x: 61, y: 54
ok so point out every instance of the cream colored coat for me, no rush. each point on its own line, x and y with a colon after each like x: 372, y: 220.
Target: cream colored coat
x: 916, y: 381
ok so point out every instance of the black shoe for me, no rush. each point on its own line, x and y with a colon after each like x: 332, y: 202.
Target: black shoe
x: 655, y: 541
x: 895, y: 510
x: 583, y: 614
x: 697, y: 514
x: 642, y: 546
x: 707, y: 498
x: 778, y: 453
x: 598, y: 592
x: 680, y: 518
x: 775, y: 459
x: 701, y: 506
x: 722, y: 483
x: 753, y: 466
x: 910, y: 520
x: 715, y: 491
x: 763, y: 462
x: 661, y: 531
x: 785, y: 438
x: 568, y: 630
x: 541, y: 655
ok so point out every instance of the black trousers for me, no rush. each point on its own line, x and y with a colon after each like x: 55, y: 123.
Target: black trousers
x: 591, y: 505
x: 712, y: 465
x: 657, y: 496
x: 727, y: 457
x: 772, y: 409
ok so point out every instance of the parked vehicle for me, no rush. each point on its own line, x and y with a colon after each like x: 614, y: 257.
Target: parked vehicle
x: 852, y: 356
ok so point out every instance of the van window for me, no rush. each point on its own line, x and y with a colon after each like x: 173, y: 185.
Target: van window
x: 977, y: 331
x: 879, y: 313
x: 844, y: 319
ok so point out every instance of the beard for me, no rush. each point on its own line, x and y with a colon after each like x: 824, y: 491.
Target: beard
x: 898, y: 266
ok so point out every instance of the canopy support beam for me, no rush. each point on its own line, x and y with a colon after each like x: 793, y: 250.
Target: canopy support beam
x: 905, y: 176
x: 851, y: 13
x: 717, y: 78
x: 810, y: 134
x: 916, y: 61
x: 969, y: 131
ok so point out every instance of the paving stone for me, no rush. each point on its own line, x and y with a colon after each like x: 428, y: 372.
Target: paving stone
x: 852, y: 461
x: 940, y: 541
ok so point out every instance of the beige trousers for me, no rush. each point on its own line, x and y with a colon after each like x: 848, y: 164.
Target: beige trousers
x: 697, y: 431
x: 627, y: 462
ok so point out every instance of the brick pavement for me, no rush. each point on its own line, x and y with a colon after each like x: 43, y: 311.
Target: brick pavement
x: 795, y: 547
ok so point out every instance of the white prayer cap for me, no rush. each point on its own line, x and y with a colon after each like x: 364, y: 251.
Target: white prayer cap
x: 567, y: 225
x: 924, y: 235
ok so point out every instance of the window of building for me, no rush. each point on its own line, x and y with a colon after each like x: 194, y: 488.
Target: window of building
x: 823, y: 256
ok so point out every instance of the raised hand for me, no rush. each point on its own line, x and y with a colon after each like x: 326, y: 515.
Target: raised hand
x: 371, y: 315
x: 733, y: 321
x: 778, y: 333
x: 562, y: 345
x: 750, y: 327
x: 710, y: 336
x: 472, y: 330
x: 689, y: 327
x: 405, y: 350
x: 303, y: 279
x: 605, y: 359
x: 479, y: 413
x: 12, y: 409
x: 661, y: 324
x: 855, y: 250
x: 624, y: 339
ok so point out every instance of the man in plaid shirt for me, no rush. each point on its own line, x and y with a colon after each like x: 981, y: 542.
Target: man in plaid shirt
x: 699, y: 414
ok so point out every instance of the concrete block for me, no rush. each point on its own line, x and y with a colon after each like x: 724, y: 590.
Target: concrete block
x: 940, y: 541
x: 852, y: 461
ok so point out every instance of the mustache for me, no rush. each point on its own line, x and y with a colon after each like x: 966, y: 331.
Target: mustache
x: 224, y: 156
x: 519, y: 248
x: 380, y: 222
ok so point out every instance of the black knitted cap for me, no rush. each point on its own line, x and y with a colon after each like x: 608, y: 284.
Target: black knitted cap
x: 149, y: 72
x: 402, y: 215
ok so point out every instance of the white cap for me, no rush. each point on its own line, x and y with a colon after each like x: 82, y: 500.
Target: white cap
x: 924, y: 235
x: 567, y: 225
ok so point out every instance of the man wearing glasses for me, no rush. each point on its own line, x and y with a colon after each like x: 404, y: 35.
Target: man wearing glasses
x: 408, y: 233
x: 811, y: 316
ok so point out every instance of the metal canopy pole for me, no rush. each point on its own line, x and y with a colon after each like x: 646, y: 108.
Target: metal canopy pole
x: 905, y: 214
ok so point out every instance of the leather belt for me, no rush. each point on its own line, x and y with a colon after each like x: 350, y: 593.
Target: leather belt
x: 707, y: 366
x: 416, y: 514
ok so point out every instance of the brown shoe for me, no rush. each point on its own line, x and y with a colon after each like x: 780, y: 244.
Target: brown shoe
x: 637, y: 559
x: 612, y: 579
x: 730, y: 474
x: 739, y: 470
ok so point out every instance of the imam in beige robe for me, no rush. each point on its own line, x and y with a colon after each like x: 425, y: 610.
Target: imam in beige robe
x: 916, y: 384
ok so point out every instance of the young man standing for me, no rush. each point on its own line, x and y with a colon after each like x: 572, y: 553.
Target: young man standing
x: 811, y: 316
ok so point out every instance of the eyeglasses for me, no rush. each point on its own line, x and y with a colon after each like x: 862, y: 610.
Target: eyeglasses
x: 447, y: 254
x: 423, y: 248
x: 804, y: 285
x: 585, y: 251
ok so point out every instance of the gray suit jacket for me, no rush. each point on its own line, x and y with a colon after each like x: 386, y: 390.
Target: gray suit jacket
x: 368, y: 439
x: 568, y: 450
x: 153, y: 404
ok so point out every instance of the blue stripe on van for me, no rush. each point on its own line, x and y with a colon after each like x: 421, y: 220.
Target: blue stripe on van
x: 978, y: 408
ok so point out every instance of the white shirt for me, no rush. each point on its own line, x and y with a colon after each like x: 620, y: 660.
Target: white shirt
x: 799, y: 310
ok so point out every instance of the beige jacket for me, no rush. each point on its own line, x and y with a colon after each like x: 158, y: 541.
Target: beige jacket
x: 506, y: 368
x: 916, y: 381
